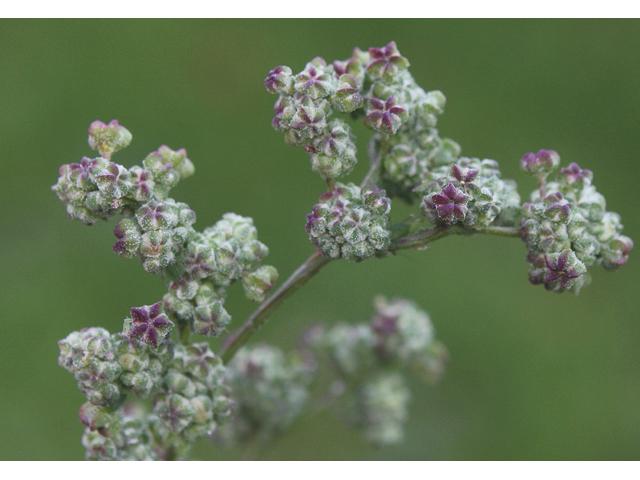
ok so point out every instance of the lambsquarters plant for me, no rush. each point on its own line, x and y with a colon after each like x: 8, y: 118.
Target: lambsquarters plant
x: 246, y: 394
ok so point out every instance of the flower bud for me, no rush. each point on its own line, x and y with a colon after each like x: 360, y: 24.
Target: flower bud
x: 148, y: 324
x: 257, y: 283
x: 108, y: 139
x: 386, y: 63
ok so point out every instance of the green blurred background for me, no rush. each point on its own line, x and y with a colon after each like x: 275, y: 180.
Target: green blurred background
x: 533, y: 375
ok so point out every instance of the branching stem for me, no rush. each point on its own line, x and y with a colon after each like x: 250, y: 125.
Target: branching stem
x: 300, y: 277
x: 315, y: 263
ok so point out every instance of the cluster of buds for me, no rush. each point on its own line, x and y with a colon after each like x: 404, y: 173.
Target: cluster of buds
x: 566, y: 226
x: 303, y: 110
x: 90, y: 355
x: 469, y: 192
x: 350, y: 222
x: 270, y: 391
x: 383, y: 408
x: 107, y: 366
x: 130, y: 439
x: 194, y: 399
x: 156, y: 227
x: 156, y: 235
x: 376, y: 84
x: 407, y: 143
x: 225, y: 253
x: 368, y: 358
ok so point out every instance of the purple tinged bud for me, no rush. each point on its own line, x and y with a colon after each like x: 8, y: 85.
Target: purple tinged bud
x: 386, y: 62
x: 540, y: 164
x: 347, y: 96
x: 375, y: 200
x: 449, y: 204
x: 562, y: 271
x: 314, y: 81
x: 385, y: 116
x: 148, y: 324
x: 108, y: 138
x: 278, y: 80
x: 463, y: 175
x: 573, y: 174
x: 616, y: 252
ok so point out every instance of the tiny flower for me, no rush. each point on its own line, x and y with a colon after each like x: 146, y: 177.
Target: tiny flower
x: 386, y: 62
x: 278, y: 80
x: 114, y: 181
x: 375, y: 200
x: 616, y: 252
x: 335, y: 142
x: 385, y: 116
x: 450, y: 204
x: 541, y: 163
x: 463, y: 175
x: 573, y: 174
x: 309, y: 121
x: 148, y: 324
x: 557, y: 208
x: 347, y: 96
x: 352, y: 66
x: 154, y: 215
x: 141, y: 184
x: 562, y: 271
x: 314, y: 81
x: 108, y: 139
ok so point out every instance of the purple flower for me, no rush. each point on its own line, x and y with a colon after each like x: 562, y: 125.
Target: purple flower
x: 558, y: 209
x: 114, y: 180
x: 386, y: 62
x: 574, y: 174
x: 562, y: 270
x: 450, y: 204
x: 463, y: 175
x: 347, y: 96
x: 278, y: 79
x: 541, y: 163
x: 385, y: 116
x: 314, y: 81
x: 149, y: 323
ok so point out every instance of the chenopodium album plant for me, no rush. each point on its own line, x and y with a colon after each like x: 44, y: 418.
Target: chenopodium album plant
x: 245, y: 395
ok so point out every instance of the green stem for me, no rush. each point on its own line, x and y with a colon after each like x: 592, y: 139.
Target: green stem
x: 421, y: 240
x: 297, y: 279
x: 315, y: 263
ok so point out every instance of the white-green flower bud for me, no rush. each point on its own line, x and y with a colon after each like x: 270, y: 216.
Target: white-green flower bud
x: 108, y: 139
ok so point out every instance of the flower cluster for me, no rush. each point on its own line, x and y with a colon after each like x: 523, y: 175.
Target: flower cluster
x: 305, y: 104
x: 566, y: 226
x: 377, y: 85
x: 222, y: 254
x: 106, y: 366
x: 350, y: 222
x: 185, y: 382
x: 130, y: 436
x: 193, y: 399
x: 469, y: 192
x: 270, y: 391
x: 156, y: 235
x: 156, y: 227
x: 368, y: 357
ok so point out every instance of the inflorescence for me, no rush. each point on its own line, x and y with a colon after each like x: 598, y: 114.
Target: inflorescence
x: 188, y: 391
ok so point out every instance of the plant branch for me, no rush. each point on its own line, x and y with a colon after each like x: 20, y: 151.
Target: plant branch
x: 297, y: 279
x: 315, y: 263
x: 422, y: 239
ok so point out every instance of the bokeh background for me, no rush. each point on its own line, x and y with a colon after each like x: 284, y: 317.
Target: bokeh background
x: 533, y: 375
